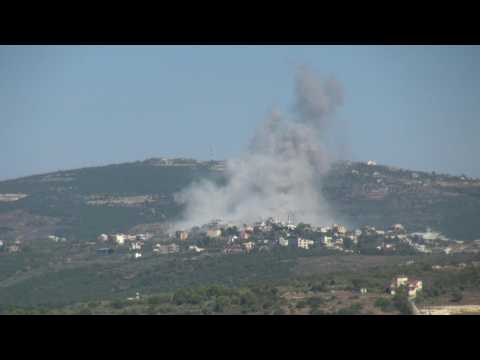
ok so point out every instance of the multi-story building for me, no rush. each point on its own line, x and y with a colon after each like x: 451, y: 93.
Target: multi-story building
x: 182, y: 235
x: 304, y: 243
x: 327, y: 240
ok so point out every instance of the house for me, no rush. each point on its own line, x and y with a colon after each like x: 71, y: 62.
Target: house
x: 129, y: 237
x: 340, y: 229
x: 398, y: 228
x: 282, y: 242
x: 363, y: 291
x: 136, y: 245
x: 102, y: 237
x: 371, y: 163
x: 248, y: 246
x: 166, y: 249
x: 118, y: 238
x: 2, y: 243
x: 412, y: 285
x: 13, y: 248
x: 214, y: 233
x: 324, y: 229
x: 143, y: 237
x: 137, y: 255
x: 249, y: 229
x: 182, y: 235
x: 422, y: 248
x: 327, y: 240
x: 402, y: 237
x: 244, y: 235
x: 304, y: 243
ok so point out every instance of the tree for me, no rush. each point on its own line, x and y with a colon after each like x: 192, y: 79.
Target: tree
x: 383, y: 304
x: 457, y: 296
x: 401, y: 302
x: 220, y: 303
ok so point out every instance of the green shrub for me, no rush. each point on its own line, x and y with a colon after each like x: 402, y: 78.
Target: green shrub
x: 355, y: 309
x: 383, y: 304
x: 118, y: 304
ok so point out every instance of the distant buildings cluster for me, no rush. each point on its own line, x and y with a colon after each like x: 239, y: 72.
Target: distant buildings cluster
x: 217, y: 236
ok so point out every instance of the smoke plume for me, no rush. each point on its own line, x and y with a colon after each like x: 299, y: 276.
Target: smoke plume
x: 280, y: 172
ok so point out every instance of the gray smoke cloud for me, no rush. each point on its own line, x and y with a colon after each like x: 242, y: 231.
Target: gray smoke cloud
x: 280, y: 172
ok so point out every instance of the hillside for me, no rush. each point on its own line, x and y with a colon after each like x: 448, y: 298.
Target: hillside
x: 82, y: 203
x: 85, y: 202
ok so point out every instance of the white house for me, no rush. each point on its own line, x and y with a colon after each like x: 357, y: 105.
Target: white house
x: 102, y: 237
x: 214, y: 233
x: 282, y: 242
x: 398, y: 227
x: 304, y: 243
x: 324, y: 229
x: 119, y: 238
x: 327, y: 240
x: 412, y: 285
x: 136, y: 246
x: 166, y: 249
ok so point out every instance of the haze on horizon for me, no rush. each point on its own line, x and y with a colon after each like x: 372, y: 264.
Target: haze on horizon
x: 65, y: 107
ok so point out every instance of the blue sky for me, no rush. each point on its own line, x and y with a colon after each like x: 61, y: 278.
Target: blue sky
x: 65, y: 107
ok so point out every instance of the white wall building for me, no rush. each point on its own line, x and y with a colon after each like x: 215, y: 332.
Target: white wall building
x: 119, y: 238
x: 282, y: 242
x: 102, y: 237
x: 304, y: 243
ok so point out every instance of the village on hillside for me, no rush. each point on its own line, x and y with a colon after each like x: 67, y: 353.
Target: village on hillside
x: 218, y: 237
